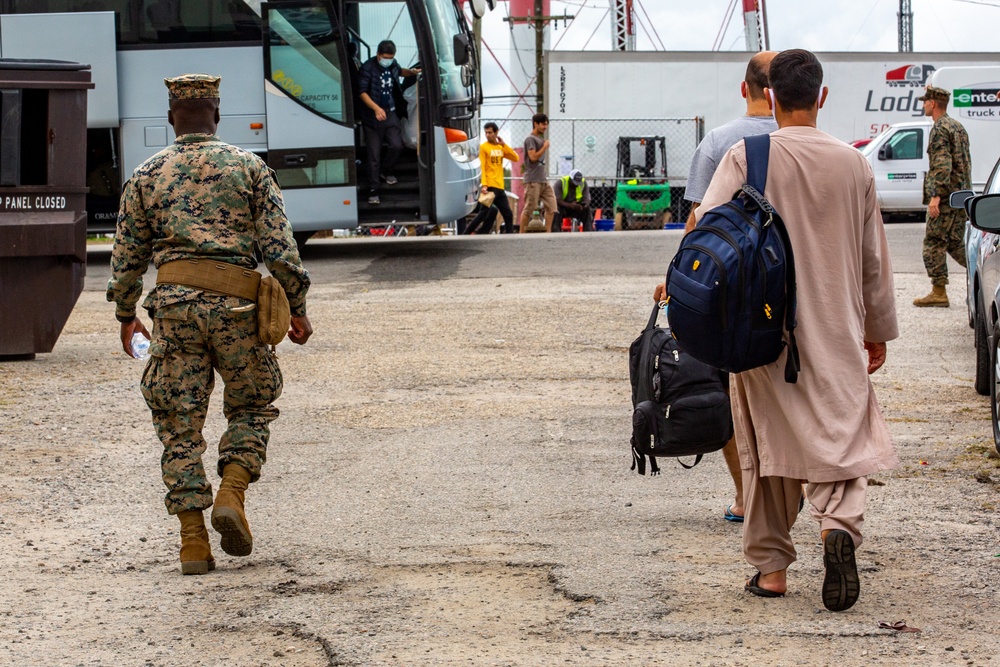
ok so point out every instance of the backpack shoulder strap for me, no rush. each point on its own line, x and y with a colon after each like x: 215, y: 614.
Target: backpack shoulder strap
x: 758, y: 148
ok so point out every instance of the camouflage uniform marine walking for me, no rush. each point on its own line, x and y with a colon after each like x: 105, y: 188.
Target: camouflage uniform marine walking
x: 950, y: 170
x: 197, y: 209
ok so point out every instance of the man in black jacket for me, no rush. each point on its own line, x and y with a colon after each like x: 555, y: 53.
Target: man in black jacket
x: 379, y: 85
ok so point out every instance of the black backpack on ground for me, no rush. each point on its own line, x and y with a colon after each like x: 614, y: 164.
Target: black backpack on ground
x: 681, y: 407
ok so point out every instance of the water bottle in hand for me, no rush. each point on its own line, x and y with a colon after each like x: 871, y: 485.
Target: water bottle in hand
x: 139, y: 346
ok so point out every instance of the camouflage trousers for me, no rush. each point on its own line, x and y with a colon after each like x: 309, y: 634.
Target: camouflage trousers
x: 191, y: 341
x: 943, y: 236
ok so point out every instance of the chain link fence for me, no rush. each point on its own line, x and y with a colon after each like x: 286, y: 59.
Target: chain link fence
x: 612, y: 150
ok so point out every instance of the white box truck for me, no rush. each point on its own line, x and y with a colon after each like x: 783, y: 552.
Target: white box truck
x: 898, y: 156
x: 869, y: 94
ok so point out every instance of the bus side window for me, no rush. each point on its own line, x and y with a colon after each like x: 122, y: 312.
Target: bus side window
x: 206, y: 21
x: 305, y: 59
x: 121, y: 8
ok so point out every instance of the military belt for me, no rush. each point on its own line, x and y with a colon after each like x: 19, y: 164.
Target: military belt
x: 212, y: 276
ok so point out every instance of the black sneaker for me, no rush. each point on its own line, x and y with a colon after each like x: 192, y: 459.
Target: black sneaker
x: 390, y: 179
x: 374, y: 200
x: 841, y: 585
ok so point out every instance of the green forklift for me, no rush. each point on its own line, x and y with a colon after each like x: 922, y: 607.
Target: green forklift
x: 642, y: 196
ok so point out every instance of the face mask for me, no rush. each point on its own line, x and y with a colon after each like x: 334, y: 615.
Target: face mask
x: 386, y: 62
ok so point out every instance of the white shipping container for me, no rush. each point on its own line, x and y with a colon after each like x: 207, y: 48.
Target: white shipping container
x: 868, y: 91
x: 869, y: 94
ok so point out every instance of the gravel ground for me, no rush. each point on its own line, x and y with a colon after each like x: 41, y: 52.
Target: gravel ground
x: 448, y: 484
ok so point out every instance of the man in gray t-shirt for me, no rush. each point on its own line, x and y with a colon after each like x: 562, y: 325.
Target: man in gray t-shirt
x: 715, y: 144
x: 758, y: 120
x: 536, y: 185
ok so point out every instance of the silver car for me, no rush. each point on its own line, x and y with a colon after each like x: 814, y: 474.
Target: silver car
x: 982, y: 242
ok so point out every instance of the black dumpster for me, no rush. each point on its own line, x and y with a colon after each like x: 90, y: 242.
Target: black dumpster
x: 43, y: 224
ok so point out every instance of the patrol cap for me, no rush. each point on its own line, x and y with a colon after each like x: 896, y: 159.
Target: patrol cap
x: 935, y: 93
x: 193, y: 86
x: 576, y: 176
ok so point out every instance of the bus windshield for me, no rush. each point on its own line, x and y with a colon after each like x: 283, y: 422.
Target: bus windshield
x: 444, y: 20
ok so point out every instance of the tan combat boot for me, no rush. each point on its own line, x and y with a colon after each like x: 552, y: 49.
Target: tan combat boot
x: 196, y: 552
x: 227, y: 514
x: 938, y: 298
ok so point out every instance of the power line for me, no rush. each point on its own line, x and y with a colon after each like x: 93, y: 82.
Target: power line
x: 724, y: 28
x: 941, y: 25
x: 596, y: 27
x: 651, y: 25
x: 642, y: 24
x: 864, y: 23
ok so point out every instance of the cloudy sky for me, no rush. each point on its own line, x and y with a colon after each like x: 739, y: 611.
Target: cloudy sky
x: 818, y: 25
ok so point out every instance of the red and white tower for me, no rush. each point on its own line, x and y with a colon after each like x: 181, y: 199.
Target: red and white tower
x: 755, y: 25
x: 622, y: 26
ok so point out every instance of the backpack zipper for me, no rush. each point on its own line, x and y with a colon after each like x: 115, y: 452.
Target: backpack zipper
x: 728, y: 238
x: 722, y: 274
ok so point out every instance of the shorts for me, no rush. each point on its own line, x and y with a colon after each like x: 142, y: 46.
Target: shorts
x: 535, y: 192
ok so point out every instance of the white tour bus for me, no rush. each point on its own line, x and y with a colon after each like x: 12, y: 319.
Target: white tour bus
x: 289, y: 77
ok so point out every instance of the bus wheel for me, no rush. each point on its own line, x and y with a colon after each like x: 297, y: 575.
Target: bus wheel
x: 301, y: 238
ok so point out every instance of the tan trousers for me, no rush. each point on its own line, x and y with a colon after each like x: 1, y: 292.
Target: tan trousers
x: 772, y: 505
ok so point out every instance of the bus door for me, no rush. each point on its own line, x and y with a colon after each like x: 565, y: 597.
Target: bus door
x: 410, y: 198
x: 310, y: 119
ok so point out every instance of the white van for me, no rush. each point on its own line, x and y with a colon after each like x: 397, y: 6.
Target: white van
x: 898, y: 155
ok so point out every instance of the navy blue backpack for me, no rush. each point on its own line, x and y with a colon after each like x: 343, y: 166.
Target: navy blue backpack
x: 731, y: 285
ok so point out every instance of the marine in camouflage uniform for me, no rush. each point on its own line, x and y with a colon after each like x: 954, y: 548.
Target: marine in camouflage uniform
x: 950, y: 170
x: 204, y: 199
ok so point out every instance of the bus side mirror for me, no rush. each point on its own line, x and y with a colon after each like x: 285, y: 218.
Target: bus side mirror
x: 463, y: 51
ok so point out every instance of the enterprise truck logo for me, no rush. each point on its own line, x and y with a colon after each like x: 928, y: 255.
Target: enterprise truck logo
x: 981, y: 102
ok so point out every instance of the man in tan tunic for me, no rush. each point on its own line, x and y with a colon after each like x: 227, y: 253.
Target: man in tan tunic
x: 826, y: 430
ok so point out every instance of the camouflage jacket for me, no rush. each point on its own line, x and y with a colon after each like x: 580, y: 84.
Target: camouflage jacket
x: 201, y: 198
x: 950, y: 167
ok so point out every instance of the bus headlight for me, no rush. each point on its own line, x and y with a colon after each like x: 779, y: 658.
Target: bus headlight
x: 462, y: 148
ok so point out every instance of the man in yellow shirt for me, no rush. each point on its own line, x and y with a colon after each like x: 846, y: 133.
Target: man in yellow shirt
x: 491, y: 156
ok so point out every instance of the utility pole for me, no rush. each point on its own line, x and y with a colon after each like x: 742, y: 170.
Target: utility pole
x: 539, y: 65
x: 539, y: 21
x: 905, y: 27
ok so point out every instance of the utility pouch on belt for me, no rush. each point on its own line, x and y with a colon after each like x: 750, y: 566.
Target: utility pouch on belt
x: 273, y: 311
x: 274, y: 315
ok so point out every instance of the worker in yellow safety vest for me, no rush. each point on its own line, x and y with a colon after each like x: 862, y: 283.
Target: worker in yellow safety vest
x: 573, y: 200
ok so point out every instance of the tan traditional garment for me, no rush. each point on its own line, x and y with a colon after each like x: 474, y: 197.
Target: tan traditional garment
x: 828, y: 426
